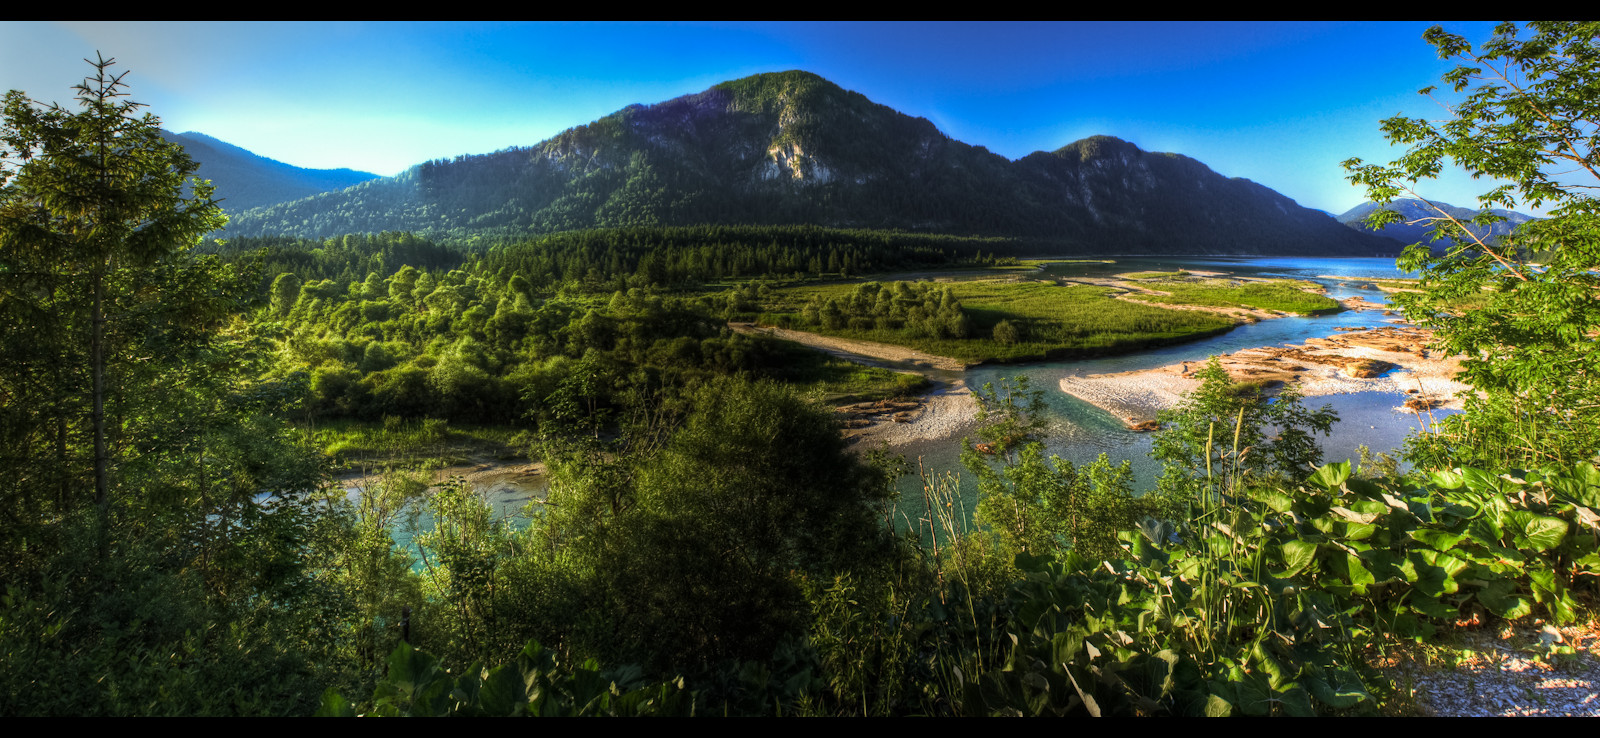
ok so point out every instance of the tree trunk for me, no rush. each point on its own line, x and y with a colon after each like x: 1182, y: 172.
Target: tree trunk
x: 102, y: 480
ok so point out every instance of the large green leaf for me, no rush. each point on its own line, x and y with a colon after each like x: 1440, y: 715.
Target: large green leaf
x: 1433, y: 607
x: 1359, y: 531
x: 1218, y: 705
x: 335, y: 705
x: 1483, y: 482
x: 1330, y: 476
x: 1385, y: 565
x: 1539, y: 532
x: 1447, y: 479
x: 1255, y: 694
x: 1351, y: 569
x: 1436, y: 572
x: 1337, y: 688
x: 1499, y: 596
x: 1437, y: 540
x: 502, y: 693
x: 1485, y: 530
x: 1276, y: 500
x: 1295, y: 700
x: 1297, y: 555
x: 1551, y: 591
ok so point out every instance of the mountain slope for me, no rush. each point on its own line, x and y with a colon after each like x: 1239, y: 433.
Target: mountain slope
x: 1414, y: 210
x: 246, y: 180
x: 792, y: 147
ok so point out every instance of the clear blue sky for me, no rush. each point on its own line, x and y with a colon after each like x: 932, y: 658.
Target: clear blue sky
x: 1278, y: 103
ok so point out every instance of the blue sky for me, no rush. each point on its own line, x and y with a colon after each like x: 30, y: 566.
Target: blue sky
x: 1278, y: 103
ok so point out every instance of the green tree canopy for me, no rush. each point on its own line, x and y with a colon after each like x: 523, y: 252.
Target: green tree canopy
x: 91, y: 204
x: 1225, y: 434
x: 1525, y: 310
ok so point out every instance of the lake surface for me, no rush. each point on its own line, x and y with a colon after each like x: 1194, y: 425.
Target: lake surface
x: 1079, y: 432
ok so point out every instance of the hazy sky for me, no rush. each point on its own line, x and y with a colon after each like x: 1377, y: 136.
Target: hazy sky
x: 1278, y: 103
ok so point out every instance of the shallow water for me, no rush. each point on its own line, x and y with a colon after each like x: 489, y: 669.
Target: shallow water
x: 1078, y: 432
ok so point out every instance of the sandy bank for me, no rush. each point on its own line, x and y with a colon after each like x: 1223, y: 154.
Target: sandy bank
x: 942, y: 412
x: 1389, y: 359
x: 1385, y: 285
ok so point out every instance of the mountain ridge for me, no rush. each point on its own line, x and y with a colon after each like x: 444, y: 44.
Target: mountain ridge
x: 247, y: 180
x: 1413, y: 209
x: 794, y: 148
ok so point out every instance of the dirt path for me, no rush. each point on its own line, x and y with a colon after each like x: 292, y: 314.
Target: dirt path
x: 849, y: 349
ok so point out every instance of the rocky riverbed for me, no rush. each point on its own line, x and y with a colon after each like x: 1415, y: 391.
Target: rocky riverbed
x: 1392, y: 359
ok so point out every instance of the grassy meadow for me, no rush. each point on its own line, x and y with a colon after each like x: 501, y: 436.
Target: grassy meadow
x: 1284, y: 295
x: 1051, y: 321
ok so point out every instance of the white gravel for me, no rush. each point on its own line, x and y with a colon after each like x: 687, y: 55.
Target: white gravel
x: 946, y: 412
x: 1501, y: 675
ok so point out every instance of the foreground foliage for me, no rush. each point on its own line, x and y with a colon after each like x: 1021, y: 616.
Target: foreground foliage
x: 1265, y: 601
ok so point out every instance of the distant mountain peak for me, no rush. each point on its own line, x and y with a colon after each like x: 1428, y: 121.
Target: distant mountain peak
x: 1097, y: 147
x: 1417, y: 230
x: 794, y: 148
x: 247, y: 180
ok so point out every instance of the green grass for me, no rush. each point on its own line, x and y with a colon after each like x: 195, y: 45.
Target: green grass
x: 1283, y: 295
x: 1058, y: 321
x: 1156, y: 275
x: 841, y: 381
x: 426, y: 443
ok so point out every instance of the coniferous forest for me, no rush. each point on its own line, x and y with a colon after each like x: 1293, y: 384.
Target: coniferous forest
x: 177, y: 405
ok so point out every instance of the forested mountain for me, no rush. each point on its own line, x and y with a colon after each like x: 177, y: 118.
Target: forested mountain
x: 247, y: 180
x: 793, y: 148
x: 1412, y: 210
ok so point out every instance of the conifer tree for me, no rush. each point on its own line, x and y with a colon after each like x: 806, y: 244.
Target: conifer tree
x: 90, y: 201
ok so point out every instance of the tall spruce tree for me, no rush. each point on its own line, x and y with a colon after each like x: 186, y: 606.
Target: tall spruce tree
x: 92, y: 204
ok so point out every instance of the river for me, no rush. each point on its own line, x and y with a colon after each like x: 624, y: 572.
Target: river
x: 1079, y: 432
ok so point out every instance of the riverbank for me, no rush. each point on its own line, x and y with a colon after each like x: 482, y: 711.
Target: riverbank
x: 482, y: 472
x: 941, y: 412
x: 1391, y: 359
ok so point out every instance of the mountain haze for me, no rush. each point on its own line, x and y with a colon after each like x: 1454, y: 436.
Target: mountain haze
x: 792, y: 147
x: 247, y: 180
x: 1415, y: 210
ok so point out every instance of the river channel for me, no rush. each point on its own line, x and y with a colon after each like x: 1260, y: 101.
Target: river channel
x: 1079, y: 432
